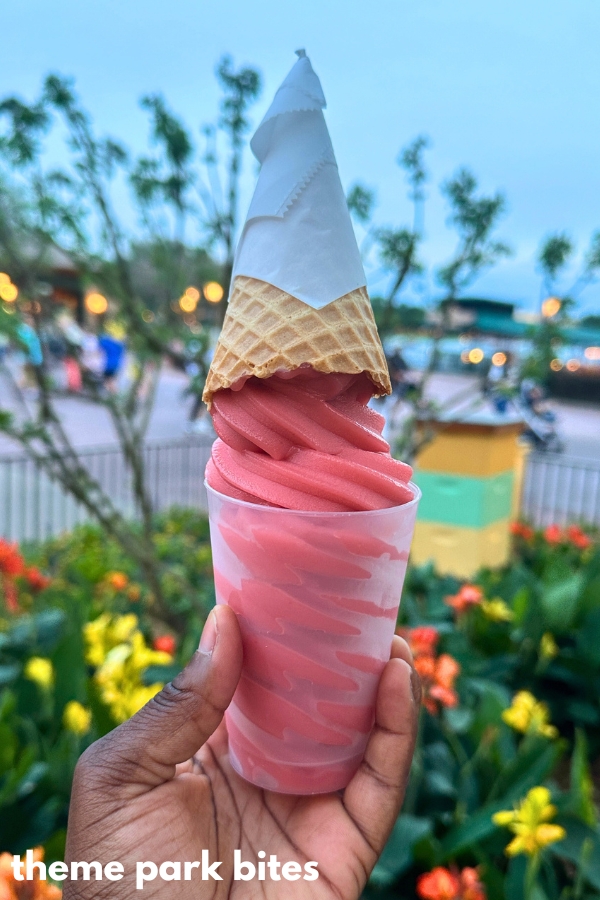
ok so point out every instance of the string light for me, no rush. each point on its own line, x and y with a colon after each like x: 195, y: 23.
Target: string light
x: 213, y: 292
x: 96, y: 303
x: 550, y: 307
x: 9, y: 292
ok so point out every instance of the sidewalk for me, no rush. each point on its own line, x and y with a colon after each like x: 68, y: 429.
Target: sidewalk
x: 89, y: 426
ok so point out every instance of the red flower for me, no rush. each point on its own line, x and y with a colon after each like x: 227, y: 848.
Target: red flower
x: 165, y: 643
x: 553, y: 534
x: 12, y: 563
x: 519, y: 529
x: 35, y: 579
x: 450, y: 884
x: 469, y: 595
x: 422, y: 640
x: 578, y: 538
x: 11, y: 598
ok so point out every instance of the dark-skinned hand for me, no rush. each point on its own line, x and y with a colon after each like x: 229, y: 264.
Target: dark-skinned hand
x: 161, y: 787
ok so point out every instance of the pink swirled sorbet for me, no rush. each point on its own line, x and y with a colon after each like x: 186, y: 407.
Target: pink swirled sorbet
x: 305, y: 441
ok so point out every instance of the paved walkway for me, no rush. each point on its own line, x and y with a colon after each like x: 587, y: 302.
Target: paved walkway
x: 90, y: 426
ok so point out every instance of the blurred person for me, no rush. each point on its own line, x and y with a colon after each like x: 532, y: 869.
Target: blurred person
x: 34, y: 356
x: 112, y: 343
x: 161, y: 787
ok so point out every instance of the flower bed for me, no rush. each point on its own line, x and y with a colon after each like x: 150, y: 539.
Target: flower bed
x: 501, y: 799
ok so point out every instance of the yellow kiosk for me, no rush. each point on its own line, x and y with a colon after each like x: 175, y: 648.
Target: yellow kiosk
x: 470, y: 475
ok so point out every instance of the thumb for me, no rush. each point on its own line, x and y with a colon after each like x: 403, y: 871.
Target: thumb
x: 173, y: 726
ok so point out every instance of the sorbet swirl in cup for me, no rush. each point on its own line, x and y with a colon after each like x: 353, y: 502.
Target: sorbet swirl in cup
x: 311, y: 522
x: 305, y: 441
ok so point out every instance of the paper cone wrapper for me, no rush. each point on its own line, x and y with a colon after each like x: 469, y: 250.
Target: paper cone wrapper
x: 267, y: 330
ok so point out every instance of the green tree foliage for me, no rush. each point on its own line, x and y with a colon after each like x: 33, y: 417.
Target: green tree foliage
x: 554, y: 257
x: 44, y: 211
x: 475, y: 219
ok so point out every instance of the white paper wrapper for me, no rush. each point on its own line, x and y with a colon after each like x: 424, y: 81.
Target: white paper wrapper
x: 298, y: 234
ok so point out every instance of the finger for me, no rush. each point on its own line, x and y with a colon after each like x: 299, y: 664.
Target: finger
x: 374, y: 796
x: 401, y: 650
x: 172, y: 727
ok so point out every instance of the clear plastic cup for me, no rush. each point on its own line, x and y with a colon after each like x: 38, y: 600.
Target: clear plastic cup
x: 317, y: 596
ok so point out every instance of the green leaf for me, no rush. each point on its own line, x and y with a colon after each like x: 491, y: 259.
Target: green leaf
x: 580, y: 846
x: 459, y: 720
x: 514, y: 884
x: 397, y: 854
x: 588, y: 645
x: 531, y: 766
x: 528, y: 769
x: 560, y: 602
x: 521, y: 604
x: 8, y: 747
x: 581, y: 795
x: 9, y: 673
x: 478, y: 827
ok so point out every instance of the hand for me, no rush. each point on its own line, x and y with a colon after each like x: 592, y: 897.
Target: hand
x: 160, y: 787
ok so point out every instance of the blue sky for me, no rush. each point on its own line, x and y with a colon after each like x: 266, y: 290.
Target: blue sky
x: 509, y: 87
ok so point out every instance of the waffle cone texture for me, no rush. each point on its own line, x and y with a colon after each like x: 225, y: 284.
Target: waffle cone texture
x: 267, y: 330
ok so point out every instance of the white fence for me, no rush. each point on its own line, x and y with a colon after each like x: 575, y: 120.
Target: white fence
x: 561, y: 489
x: 33, y: 507
x: 556, y: 488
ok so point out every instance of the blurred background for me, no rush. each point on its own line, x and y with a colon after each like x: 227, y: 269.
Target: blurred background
x: 467, y: 142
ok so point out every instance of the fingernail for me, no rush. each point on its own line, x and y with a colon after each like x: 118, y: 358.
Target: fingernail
x: 209, y: 634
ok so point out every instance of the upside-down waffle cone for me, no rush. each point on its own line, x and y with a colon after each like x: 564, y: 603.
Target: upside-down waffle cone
x: 267, y: 330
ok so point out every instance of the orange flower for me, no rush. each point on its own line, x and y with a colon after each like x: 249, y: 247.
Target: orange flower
x: 12, y: 563
x: 165, y: 643
x: 439, y: 884
x: 117, y: 580
x: 450, y: 884
x: 472, y: 888
x: 437, y: 673
x: 578, y: 538
x: 437, y: 679
x: 469, y: 595
x: 10, y: 889
x: 35, y: 579
x: 553, y: 534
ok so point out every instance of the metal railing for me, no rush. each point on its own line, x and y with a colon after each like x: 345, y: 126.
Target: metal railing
x: 556, y: 488
x: 34, y: 507
x: 561, y: 489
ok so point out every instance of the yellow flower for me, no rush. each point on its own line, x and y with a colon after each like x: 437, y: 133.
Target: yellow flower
x: 104, y: 633
x: 77, y: 718
x: 530, y: 823
x: 529, y: 715
x: 118, y: 650
x: 548, y: 646
x: 497, y: 610
x: 40, y: 670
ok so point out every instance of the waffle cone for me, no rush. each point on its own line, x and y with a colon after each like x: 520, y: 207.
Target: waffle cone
x: 266, y: 330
